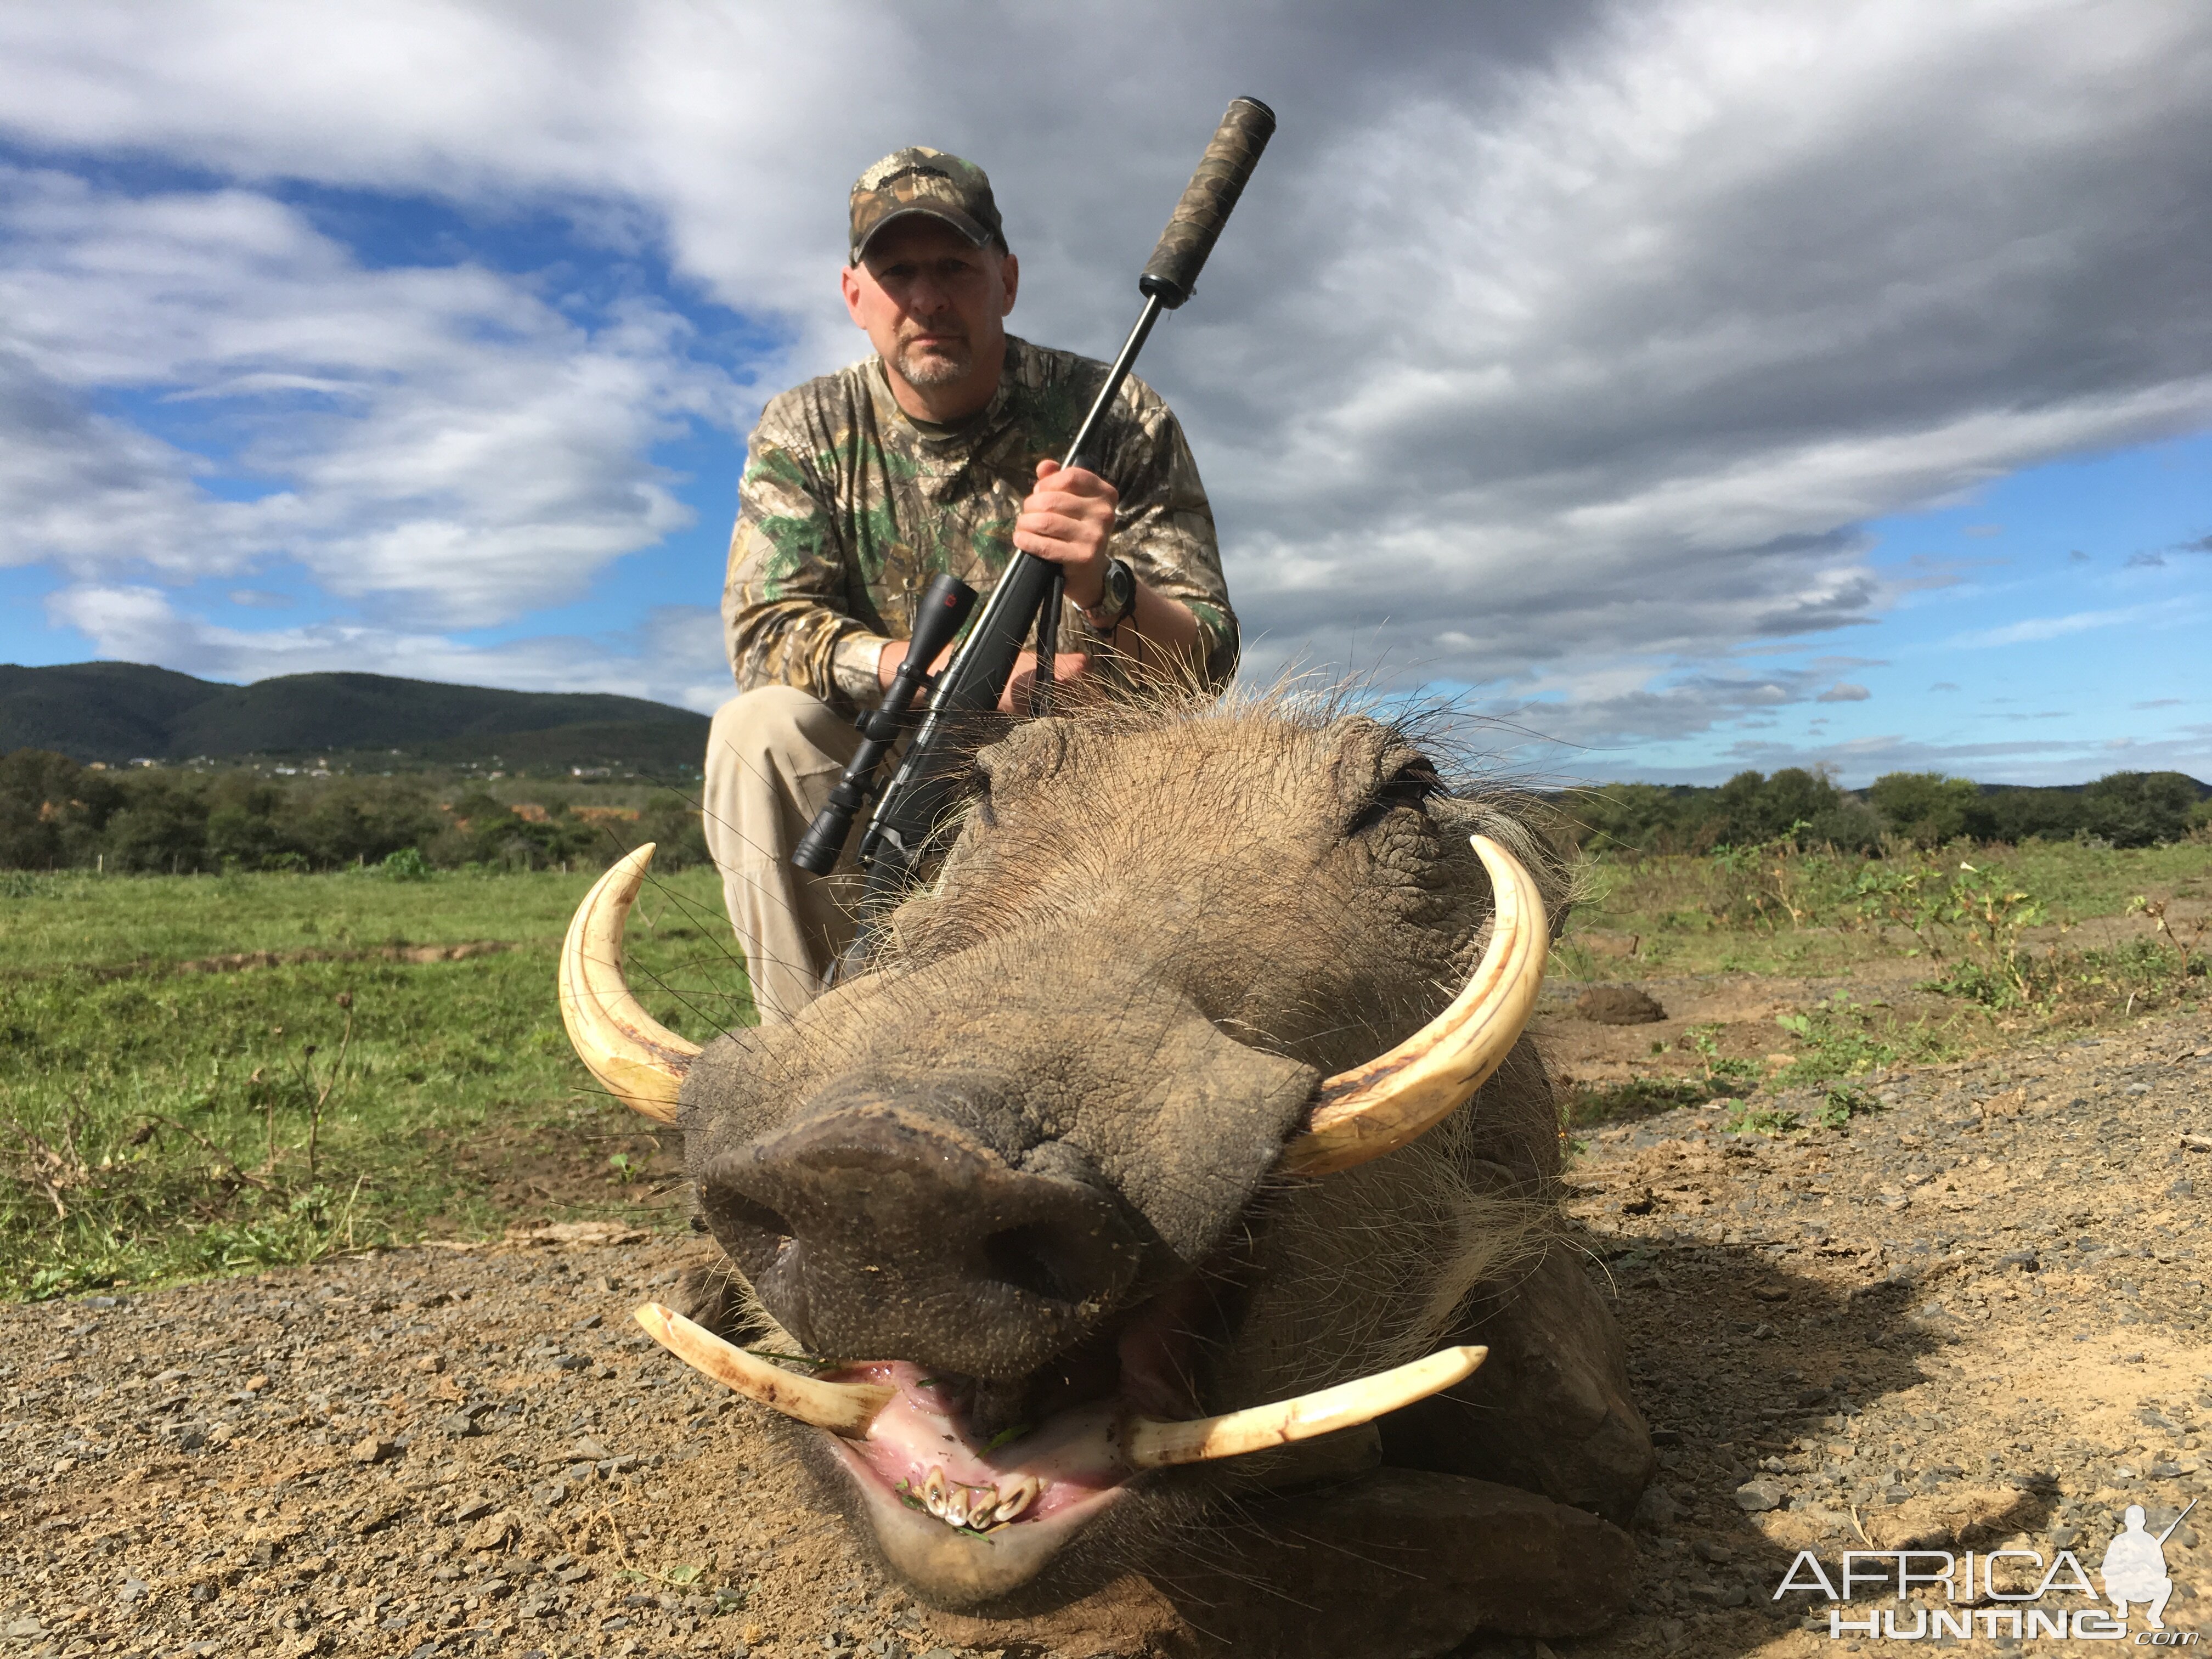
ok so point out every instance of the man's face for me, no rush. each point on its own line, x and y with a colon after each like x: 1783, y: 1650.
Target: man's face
x: 932, y: 303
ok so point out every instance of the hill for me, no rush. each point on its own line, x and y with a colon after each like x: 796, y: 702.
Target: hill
x: 116, y: 711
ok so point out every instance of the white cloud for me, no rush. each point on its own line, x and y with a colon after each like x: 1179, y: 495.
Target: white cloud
x: 2026, y: 760
x: 2032, y: 630
x: 427, y: 442
x: 1557, y: 351
x: 676, y: 656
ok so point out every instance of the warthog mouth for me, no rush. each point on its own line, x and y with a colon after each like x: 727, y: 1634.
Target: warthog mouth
x: 974, y: 1516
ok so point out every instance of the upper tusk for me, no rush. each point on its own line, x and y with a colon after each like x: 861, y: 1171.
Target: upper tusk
x: 641, y: 1060
x: 845, y: 1408
x: 1151, y: 1444
x: 1379, y: 1107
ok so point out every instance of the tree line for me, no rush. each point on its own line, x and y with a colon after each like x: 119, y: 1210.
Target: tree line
x: 1926, y: 809
x: 56, y: 815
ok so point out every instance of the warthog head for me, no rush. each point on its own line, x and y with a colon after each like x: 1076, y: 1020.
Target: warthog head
x: 1134, y: 1176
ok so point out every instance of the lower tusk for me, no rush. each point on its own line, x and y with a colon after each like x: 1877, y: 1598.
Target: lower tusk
x: 1151, y: 1443
x: 845, y: 1408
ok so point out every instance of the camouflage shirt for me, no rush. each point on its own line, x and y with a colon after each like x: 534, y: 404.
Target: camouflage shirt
x: 848, y: 507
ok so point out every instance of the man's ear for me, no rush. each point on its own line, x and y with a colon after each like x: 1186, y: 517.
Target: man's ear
x: 1010, y: 274
x: 848, y: 283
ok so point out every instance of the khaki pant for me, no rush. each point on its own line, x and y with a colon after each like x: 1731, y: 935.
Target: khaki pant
x: 772, y: 756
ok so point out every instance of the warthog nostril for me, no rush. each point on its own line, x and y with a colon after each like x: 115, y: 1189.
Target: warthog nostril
x: 733, y: 1212
x: 1034, y: 1258
x: 882, y: 1230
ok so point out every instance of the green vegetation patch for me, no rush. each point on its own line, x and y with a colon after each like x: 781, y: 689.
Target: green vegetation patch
x: 1782, y: 908
x: 156, y: 1123
x: 1589, y: 1106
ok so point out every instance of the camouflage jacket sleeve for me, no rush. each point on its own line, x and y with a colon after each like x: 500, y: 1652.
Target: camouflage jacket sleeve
x: 787, y: 605
x: 1165, y: 526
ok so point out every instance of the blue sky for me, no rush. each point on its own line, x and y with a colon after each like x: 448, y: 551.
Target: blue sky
x: 1695, y: 386
x: 2053, y: 625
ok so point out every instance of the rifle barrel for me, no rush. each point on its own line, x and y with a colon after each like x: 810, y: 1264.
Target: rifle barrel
x: 2176, y: 1521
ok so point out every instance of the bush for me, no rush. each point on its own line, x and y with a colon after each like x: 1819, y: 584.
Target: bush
x: 163, y: 827
x: 2140, y: 809
x: 1925, y: 808
x: 408, y: 864
x: 1849, y: 826
x: 52, y: 811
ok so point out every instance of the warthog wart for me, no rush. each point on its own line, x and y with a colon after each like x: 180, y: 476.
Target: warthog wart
x: 1137, y: 1196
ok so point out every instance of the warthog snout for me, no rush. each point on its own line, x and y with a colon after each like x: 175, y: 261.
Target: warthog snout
x: 878, y: 1223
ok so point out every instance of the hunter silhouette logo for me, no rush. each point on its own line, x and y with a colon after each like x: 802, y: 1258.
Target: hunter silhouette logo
x: 1960, y: 1599
x: 2133, y: 1568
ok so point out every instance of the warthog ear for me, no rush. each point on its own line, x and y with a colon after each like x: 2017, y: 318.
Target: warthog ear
x: 1189, y: 1156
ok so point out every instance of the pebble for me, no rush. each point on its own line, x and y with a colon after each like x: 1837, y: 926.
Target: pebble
x: 1756, y: 1496
x: 370, y: 1449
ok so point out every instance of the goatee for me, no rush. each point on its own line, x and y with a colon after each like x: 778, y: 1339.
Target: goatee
x: 940, y: 362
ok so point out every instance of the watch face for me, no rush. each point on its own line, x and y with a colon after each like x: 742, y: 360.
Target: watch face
x: 1120, y: 584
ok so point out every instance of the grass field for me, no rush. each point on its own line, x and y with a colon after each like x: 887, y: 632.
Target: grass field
x: 164, y: 1113
x: 1912, y: 960
x: 1778, y: 911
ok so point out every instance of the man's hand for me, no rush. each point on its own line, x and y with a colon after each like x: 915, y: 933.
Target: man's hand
x: 1069, y: 521
x: 1071, y: 670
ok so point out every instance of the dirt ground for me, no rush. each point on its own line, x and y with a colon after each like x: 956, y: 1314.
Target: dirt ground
x: 1973, y: 1319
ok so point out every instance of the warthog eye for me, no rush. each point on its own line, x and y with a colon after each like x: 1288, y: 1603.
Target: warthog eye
x: 1409, y: 786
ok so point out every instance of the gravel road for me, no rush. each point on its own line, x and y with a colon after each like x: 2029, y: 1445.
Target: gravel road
x: 1972, y: 1319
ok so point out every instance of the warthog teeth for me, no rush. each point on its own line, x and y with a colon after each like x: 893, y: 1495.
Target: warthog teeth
x: 977, y: 1509
x: 1151, y: 1444
x: 845, y: 1408
x: 1017, y: 1495
x: 848, y: 1409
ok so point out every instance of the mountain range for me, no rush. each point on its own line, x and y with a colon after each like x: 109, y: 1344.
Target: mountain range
x: 118, y: 712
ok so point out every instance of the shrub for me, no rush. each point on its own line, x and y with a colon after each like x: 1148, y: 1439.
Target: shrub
x: 1925, y: 808
x: 2140, y: 809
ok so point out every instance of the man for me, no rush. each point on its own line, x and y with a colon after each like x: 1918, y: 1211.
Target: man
x: 939, y: 453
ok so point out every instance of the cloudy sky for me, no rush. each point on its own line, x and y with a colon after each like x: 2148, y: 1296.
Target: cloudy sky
x: 1688, y: 385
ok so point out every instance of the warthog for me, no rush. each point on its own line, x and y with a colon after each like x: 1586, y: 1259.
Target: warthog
x: 1126, y: 1261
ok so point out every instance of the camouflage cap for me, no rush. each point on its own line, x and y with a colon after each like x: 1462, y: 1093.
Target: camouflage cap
x: 919, y: 179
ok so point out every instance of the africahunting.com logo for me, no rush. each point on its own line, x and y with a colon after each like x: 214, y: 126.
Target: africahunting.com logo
x: 1988, y: 1593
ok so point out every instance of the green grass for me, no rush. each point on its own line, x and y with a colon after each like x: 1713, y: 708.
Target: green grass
x: 155, y: 1124
x: 1797, y: 913
x: 77, y: 920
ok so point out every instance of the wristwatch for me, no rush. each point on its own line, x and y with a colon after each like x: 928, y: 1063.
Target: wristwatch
x: 1117, y: 597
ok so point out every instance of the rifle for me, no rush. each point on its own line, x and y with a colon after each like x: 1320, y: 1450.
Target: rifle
x: 2176, y: 1521
x: 1028, y: 594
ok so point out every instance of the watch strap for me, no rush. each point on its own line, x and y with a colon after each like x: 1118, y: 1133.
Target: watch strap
x: 1107, y: 625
